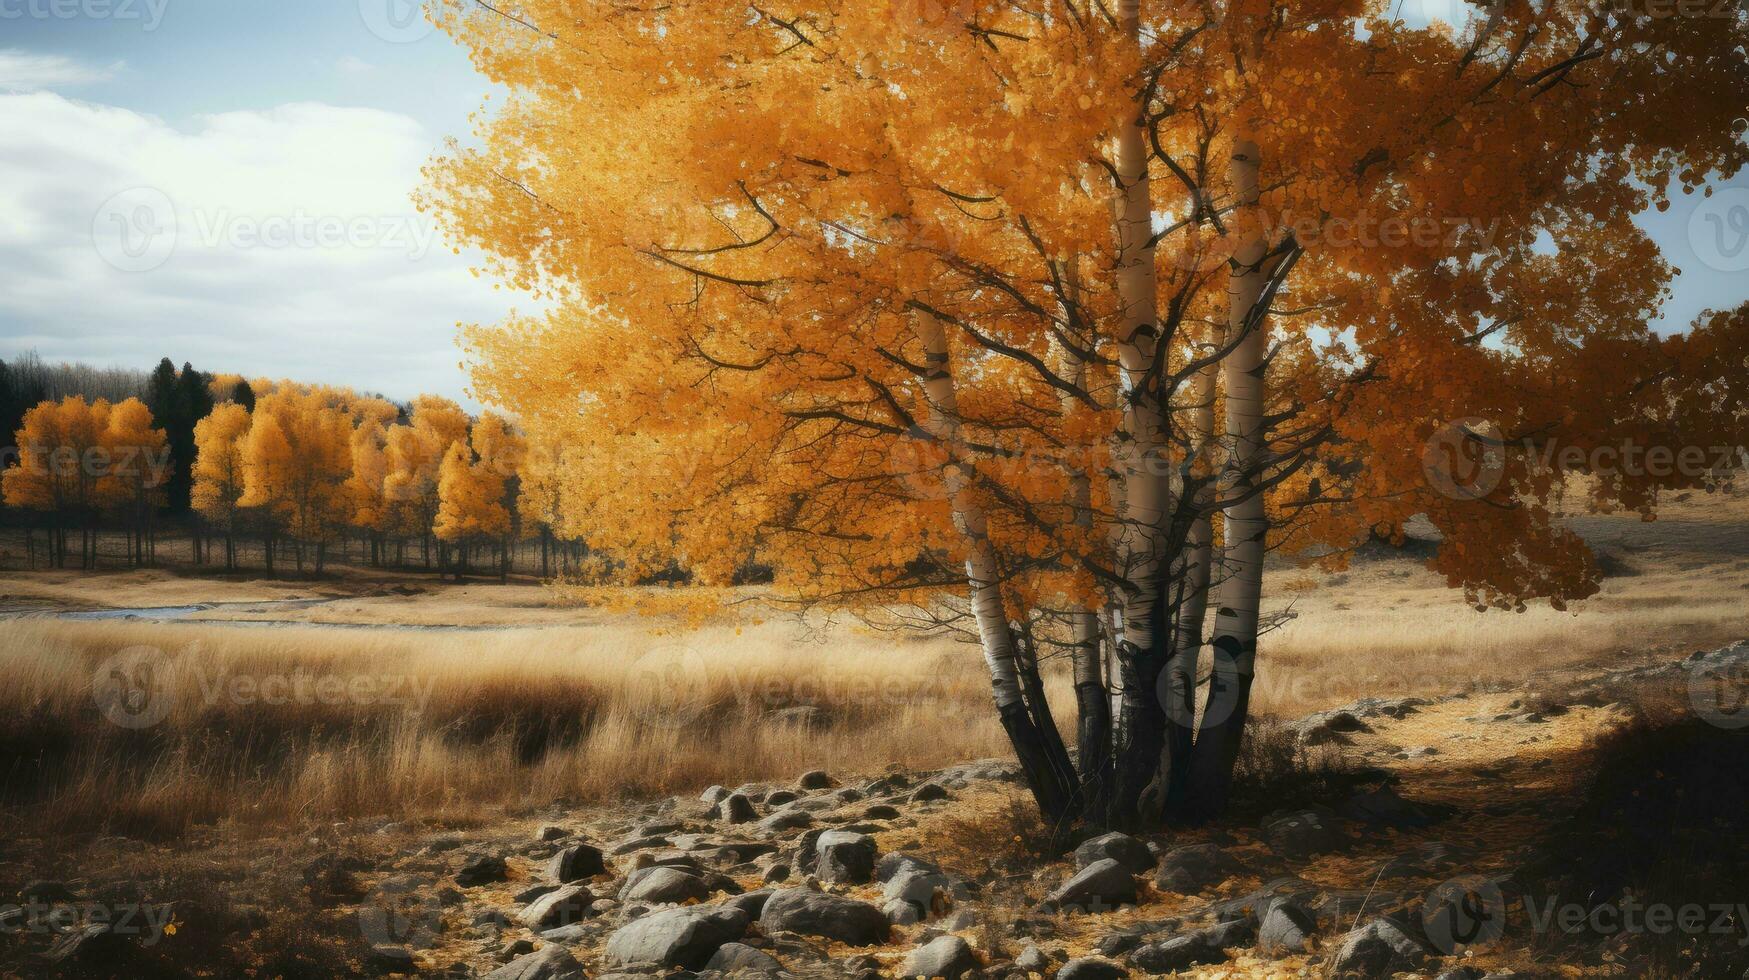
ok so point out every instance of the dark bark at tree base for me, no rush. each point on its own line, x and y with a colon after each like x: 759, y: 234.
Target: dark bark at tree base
x: 1055, y: 795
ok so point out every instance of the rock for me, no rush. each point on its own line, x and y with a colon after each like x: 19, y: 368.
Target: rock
x: 559, y: 907
x: 848, y: 794
x: 917, y: 883
x: 786, y: 819
x: 814, y: 913
x: 552, y: 962
x: 1378, y: 949
x: 1122, y: 848
x: 739, y: 958
x: 575, y: 863
x: 1099, y: 887
x: 713, y: 795
x: 1286, y: 928
x: 842, y: 857
x: 511, y: 950
x: 734, y: 808
x: 1383, y: 807
x: 482, y: 869
x: 1192, y: 868
x: 1116, y: 944
x: 752, y: 902
x: 1032, y: 960
x: 902, y: 913
x: 1328, y: 727
x: 947, y: 957
x: 684, y: 937
x: 782, y: 797
x: 1177, y: 953
x: 533, y: 892
x: 636, y: 844
x: 1301, y: 834
x: 552, y: 832
x: 1091, y: 968
x: 929, y: 792
x: 778, y: 872
x: 663, y: 884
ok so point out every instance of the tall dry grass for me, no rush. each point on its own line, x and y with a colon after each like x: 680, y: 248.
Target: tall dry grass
x: 285, y: 723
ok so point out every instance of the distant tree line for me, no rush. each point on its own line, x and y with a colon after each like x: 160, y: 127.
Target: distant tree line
x: 303, y: 469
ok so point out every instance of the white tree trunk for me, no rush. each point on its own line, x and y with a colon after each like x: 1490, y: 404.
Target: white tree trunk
x: 982, y: 571
x: 1240, y: 588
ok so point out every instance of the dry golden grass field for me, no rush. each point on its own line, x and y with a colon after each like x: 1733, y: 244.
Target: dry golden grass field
x: 493, y: 695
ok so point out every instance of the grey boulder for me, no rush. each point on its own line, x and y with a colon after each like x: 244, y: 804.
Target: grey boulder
x: 1091, y: 968
x: 1099, y: 887
x: 845, y: 858
x: 1380, y: 948
x: 1122, y: 848
x: 575, y: 863
x: 813, y: 913
x: 739, y: 958
x: 947, y: 957
x: 552, y: 962
x: 662, y: 884
x: 683, y: 937
x: 560, y: 907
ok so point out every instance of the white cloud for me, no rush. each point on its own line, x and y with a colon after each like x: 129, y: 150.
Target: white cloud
x: 24, y: 71
x: 354, y: 65
x: 280, y: 243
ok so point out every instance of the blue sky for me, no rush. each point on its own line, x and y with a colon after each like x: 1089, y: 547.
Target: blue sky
x: 279, y: 141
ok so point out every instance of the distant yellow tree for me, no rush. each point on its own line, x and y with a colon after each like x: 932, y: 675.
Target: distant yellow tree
x: 218, y: 471
x: 470, y: 505
x: 371, y: 512
x: 59, y: 449
x: 297, y: 460
x: 539, y: 482
x: 135, y: 467
x: 415, y: 454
